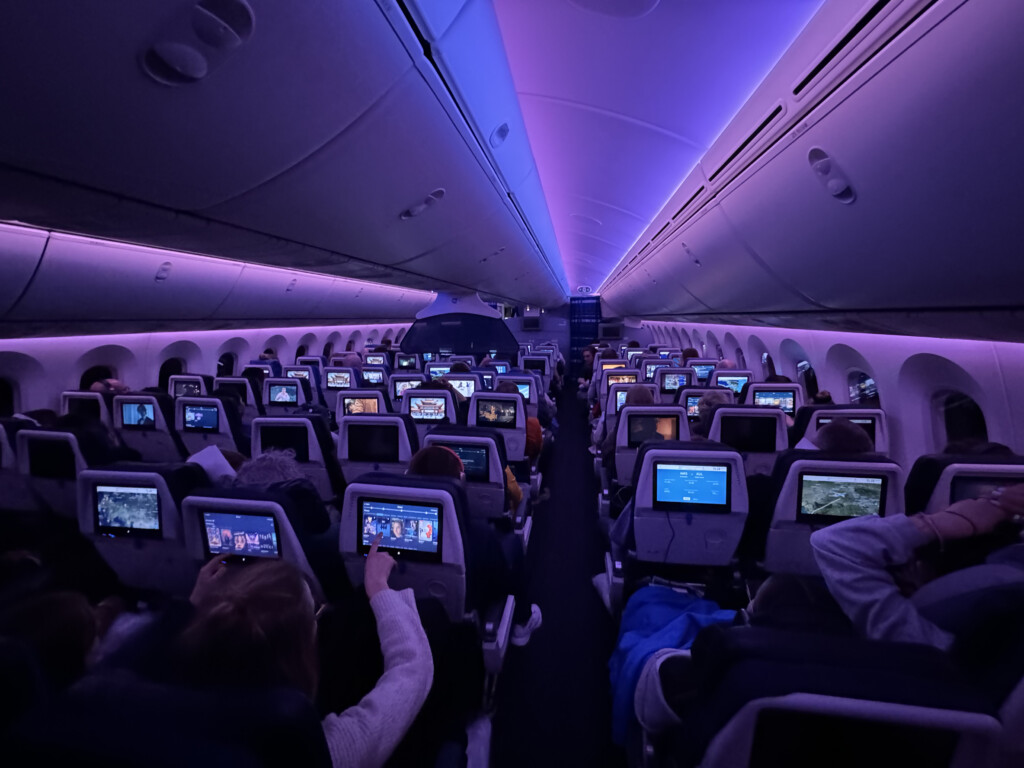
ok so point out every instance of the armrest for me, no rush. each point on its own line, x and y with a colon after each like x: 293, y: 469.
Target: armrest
x: 496, y: 626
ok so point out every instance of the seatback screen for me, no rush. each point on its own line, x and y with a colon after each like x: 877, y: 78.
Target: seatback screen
x: 631, y: 353
x: 371, y: 376
x: 202, y: 418
x: 867, y: 423
x: 826, y: 498
x: 284, y: 394
x: 693, y: 406
x: 427, y: 407
x: 977, y: 486
x: 339, y: 380
x: 474, y: 460
x: 400, y: 387
x: 670, y: 382
x: 611, y: 366
x: 465, y: 387
x: 84, y: 406
x: 376, y: 443
x: 748, y: 434
x: 298, y: 375
x: 703, y: 370
x: 428, y: 357
x: 188, y: 389
x: 524, y: 389
x: 375, y: 359
x: 350, y: 405
x: 620, y: 399
x: 138, y: 416
x: 651, y: 368
x: 621, y: 378
x: 496, y: 413
x: 698, y: 487
x: 409, y: 530
x: 228, y: 533
x: 735, y: 383
x: 643, y: 427
x: 783, y: 398
x: 501, y: 368
x: 434, y: 371
x: 530, y: 364
x: 284, y: 437
x: 127, y: 511
x: 51, y: 460
x: 405, y: 362
x: 237, y: 388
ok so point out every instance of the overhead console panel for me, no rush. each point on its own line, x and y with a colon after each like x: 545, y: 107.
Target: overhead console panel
x: 20, y: 251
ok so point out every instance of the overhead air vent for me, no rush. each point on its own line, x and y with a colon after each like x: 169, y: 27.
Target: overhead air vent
x: 622, y: 9
x: 747, y: 141
x: 685, y: 205
x: 658, y: 233
x: 498, y: 135
x: 415, y: 210
x: 831, y: 176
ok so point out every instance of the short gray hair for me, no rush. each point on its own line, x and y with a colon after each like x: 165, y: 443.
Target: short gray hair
x: 271, y: 466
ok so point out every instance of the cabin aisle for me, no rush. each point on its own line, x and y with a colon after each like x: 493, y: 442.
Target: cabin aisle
x: 554, y: 702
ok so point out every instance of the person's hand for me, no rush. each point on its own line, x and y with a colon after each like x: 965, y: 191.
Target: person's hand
x: 378, y: 569
x: 977, y: 517
x: 206, y: 581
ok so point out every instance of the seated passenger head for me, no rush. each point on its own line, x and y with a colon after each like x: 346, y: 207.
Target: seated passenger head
x: 777, y: 378
x: 270, y: 467
x: 254, y: 625
x: 714, y: 397
x: 633, y: 344
x: 843, y: 436
x: 268, y: 354
x: 459, y: 367
x: 608, y: 353
x: 688, y: 353
x: 436, y: 461
x: 822, y: 397
x: 352, y: 360
x: 977, y: 448
x: 111, y: 386
x: 725, y: 365
x: 638, y: 394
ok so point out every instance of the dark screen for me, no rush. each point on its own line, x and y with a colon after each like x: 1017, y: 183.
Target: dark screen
x: 977, y: 486
x: 377, y: 443
x: 533, y: 365
x: 644, y: 427
x: 474, y: 460
x: 867, y: 423
x: 283, y: 438
x: 188, y: 389
x: 748, y: 434
x: 51, y: 459
x: 84, y: 406
x: 237, y: 388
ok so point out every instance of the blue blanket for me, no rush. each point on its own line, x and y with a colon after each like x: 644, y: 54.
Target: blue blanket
x: 655, y: 618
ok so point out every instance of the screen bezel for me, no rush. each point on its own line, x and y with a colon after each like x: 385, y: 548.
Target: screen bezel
x: 753, y: 419
x: 998, y: 480
x: 300, y: 456
x: 682, y: 385
x: 630, y: 418
x: 334, y: 387
x: 696, y: 372
x: 201, y: 430
x: 188, y: 383
x: 377, y: 356
x: 242, y: 558
x: 691, y: 506
x: 763, y: 392
x: 486, y: 474
x: 433, y: 395
x: 138, y: 427
x: 297, y: 374
x: 374, y: 400
x: 375, y: 373
x: 718, y: 382
x: 121, y: 532
x: 405, y: 362
x: 636, y: 378
x: 394, y: 429
x: 821, y: 520
x: 873, y: 434
x: 494, y: 424
x: 406, y: 554
x: 270, y: 395
x: 409, y: 384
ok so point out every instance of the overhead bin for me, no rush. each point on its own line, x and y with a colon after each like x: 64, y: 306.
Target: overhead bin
x: 930, y: 149
x: 354, y: 299
x: 83, y: 279
x: 20, y: 251
x: 266, y: 292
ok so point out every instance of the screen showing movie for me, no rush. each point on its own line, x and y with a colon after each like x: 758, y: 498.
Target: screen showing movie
x: 620, y: 399
x: 298, y: 375
x: 832, y: 497
x: 979, y: 486
x: 138, y: 416
x: 284, y: 394
x: 428, y: 407
x: 375, y: 378
x: 607, y: 366
x: 703, y: 370
x: 228, y: 533
x: 202, y: 418
x: 429, y: 357
x: 735, y: 383
x: 474, y: 460
x: 400, y: 387
x: 374, y: 360
x: 867, y: 423
x: 698, y: 487
x: 693, y: 406
x: 465, y: 387
x: 748, y: 434
x: 375, y: 443
x: 783, y: 398
x: 524, y: 389
x: 188, y: 389
x: 407, y: 529
x: 406, y: 362
x: 351, y: 405
x: 496, y: 413
x: 621, y: 378
x: 84, y: 406
x: 670, y: 382
x: 500, y: 368
x: 651, y: 368
x: 286, y: 438
x: 127, y: 510
x: 631, y: 353
x: 437, y: 370
x: 644, y: 427
x: 488, y: 380
x: 339, y: 379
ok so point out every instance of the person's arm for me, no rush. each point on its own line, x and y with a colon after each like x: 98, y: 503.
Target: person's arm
x: 854, y: 557
x: 367, y: 734
x: 515, y: 493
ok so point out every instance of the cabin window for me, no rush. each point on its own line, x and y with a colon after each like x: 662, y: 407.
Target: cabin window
x: 805, y: 373
x: 328, y: 349
x: 6, y: 398
x: 962, y: 418
x: 173, y: 366
x: 863, y: 390
x: 300, y: 352
x: 226, y: 364
x: 769, y: 365
x: 741, y: 359
x: 94, y: 374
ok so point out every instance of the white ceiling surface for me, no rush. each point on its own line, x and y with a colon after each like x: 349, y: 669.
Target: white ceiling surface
x: 321, y: 130
x: 620, y: 107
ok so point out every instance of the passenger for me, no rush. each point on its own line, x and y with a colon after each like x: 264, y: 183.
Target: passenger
x: 269, y: 468
x: 977, y: 448
x: 592, y: 393
x: 255, y: 625
x: 707, y: 401
x: 637, y: 394
x: 843, y: 436
x: 688, y: 354
x: 459, y: 367
x: 534, y: 430
x: 498, y: 552
x: 110, y: 386
x: 777, y: 378
x: 822, y: 397
x: 98, y: 444
x: 352, y: 360
x: 725, y: 365
x: 587, y: 371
